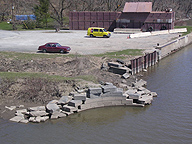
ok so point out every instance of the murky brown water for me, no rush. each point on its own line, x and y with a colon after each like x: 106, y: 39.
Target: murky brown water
x: 168, y: 120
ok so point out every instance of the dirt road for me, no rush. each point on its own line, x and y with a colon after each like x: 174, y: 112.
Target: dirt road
x: 28, y: 41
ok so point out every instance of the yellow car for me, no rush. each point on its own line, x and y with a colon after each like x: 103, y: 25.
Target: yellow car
x: 98, y: 32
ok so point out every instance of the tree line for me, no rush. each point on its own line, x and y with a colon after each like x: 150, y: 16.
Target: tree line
x: 59, y: 9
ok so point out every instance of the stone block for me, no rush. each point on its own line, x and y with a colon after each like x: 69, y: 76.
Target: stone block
x: 56, y: 115
x: 114, y: 64
x: 131, y: 91
x: 94, y: 92
x: 52, y: 107
x: 80, y: 96
x: 21, y: 112
x: 38, y: 108
x: 119, y: 70
x: 38, y: 113
x: 17, y: 118
x: 53, y: 102
x: 69, y: 108
x: 145, y: 99
x: 64, y: 100
x: 93, y: 96
x: 38, y: 119
x: 113, y: 94
x: 135, y: 96
x: 108, y: 83
x: 45, y: 118
x: 10, y: 108
x: 153, y: 94
x: 75, y: 103
x: 24, y: 121
x: 108, y: 88
x: 139, y: 83
x: 145, y: 91
x: 120, y: 61
x: 126, y: 75
x: 32, y: 119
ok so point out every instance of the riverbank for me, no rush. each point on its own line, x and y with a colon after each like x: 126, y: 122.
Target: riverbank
x: 27, y: 91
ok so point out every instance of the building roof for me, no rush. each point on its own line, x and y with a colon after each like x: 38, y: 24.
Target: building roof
x: 138, y: 7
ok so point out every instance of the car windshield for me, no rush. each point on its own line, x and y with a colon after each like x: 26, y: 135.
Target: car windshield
x: 58, y: 45
x: 104, y: 30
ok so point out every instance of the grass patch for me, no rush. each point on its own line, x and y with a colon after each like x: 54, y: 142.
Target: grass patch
x: 189, y: 29
x: 122, y: 54
x: 30, y: 56
x: 5, y: 26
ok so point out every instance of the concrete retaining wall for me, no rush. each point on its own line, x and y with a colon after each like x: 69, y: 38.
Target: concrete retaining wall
x: 172, y: 46
x: 141, y: 63
x: 144, y: 34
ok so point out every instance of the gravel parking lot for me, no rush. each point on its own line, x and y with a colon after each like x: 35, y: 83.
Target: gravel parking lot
x: 80, y: 43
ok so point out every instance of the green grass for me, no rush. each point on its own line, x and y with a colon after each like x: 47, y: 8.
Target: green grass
x: 5, y: 26
x: 189, y: 29
x: 30, y: 56
x: 122, y: 54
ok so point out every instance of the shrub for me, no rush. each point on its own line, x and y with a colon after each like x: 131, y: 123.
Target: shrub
x: 29, y: 24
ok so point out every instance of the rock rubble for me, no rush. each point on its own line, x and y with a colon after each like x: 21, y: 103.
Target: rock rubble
x: 105, y: 94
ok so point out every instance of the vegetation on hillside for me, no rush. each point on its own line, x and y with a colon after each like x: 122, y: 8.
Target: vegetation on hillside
x: 58, y: 10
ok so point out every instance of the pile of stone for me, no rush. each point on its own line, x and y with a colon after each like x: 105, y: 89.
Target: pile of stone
x: 119, y: 67
x: 100, y: 96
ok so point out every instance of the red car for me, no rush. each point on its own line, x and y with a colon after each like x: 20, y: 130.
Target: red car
x: 54, y: 47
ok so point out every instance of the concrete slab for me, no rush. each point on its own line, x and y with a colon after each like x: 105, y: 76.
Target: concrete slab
x: 81, y: 96
x: 135, y: 96
x: 75, y: 103
x: 38, y: 108
x: 119, y: 70
x: 109, y: 88
x: 114, y: 64
x: 69, y: 108
x: 17, y: 118
x: 38, y: 113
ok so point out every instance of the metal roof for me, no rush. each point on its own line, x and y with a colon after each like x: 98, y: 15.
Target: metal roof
x: 138, y: 7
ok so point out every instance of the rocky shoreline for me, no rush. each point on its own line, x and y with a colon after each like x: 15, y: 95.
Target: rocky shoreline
x: 83, y: 99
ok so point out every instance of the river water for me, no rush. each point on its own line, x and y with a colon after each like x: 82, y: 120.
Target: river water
x: 167, y: 120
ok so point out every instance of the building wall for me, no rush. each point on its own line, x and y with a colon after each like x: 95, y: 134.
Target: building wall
x: 84, y: 20
x: 145, y: 21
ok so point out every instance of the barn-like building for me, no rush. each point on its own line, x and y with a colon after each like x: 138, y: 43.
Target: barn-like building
x: 137, y: 15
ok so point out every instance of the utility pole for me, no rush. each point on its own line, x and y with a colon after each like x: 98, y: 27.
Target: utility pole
x: 12, y: 20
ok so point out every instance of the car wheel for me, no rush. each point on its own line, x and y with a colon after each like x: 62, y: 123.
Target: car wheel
x: 44, y: 50
x: 105, y: 36
x: 61, y: 51
x: 91, y: 35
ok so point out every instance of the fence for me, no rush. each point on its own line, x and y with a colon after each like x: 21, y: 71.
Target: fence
x: 143, y: 62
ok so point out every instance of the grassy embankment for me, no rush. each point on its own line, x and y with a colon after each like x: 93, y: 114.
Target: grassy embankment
x: 29, y: 56
x: 189, y: 29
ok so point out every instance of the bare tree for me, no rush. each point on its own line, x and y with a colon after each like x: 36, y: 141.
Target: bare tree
x: 58, y: 10
x: 5, y: 9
